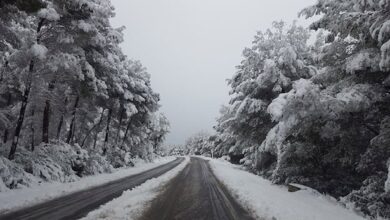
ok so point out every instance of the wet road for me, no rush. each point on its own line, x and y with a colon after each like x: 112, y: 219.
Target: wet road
x: 195, y: 194
x: 77, y: 205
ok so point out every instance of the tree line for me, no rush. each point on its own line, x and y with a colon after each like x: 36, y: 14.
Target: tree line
x: 64, y: 80
x: 315, y: 113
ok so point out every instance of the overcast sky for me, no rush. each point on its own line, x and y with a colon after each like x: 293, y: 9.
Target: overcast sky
x: 190, y: 48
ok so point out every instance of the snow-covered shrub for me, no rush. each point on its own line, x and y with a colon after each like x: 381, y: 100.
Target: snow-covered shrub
x: 54, y: 162
x: 12, y: 175
x: 97, y: 164
x: 117, y: 158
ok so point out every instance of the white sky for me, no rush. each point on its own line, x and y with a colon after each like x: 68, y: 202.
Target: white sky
x: 190, y: 47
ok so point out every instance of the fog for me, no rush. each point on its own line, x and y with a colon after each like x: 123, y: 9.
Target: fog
x: 190, y: 48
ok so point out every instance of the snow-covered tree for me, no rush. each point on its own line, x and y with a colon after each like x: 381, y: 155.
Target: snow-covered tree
x: 356, y: 73
x: 67, y: 86
x: 277, y: 58
x: 160, y: 127
x: 15, y: 29
x: 317, y: 115
x: 200, y: 144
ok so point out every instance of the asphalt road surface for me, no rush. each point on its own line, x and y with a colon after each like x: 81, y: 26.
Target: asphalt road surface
x: 195, y: 194
x: 79, y: 204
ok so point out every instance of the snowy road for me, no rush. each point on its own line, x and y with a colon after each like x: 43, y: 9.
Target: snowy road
x: 77, y: 205
x: 195, y: 194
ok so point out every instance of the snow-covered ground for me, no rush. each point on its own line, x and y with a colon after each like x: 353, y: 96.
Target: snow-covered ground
x: 133, y: 202
x: 268, y: 201
x: 15, y: 199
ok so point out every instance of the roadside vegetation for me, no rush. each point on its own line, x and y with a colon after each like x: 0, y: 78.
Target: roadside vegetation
x: 71, y: 103
x: 315, y: 113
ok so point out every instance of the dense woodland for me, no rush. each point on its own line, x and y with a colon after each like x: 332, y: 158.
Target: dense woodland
x: 315, y: 112
x: 71, y: 103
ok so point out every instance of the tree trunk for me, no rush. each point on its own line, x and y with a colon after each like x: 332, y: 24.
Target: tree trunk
x: 6, y: 132
x: 122, y: 112
x: 107, y: 131
x: 3, y: 70
x: 22, y: 112
x: 26, y: 93
x: 46, y: 121
x: 72, y: 124
x: 5, y: 136
x: 46, y: 116
x: 126, y: 132
x: 20, y: 121
x: 32, y: 138
x: 32, y: 144
x: 59, y: 128
x: 93, y: 128
x: 9, y: 99
x: 96, y: 134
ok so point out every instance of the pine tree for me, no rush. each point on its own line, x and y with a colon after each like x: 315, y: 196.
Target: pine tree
x: 71, y: 103
x: 277, y: 58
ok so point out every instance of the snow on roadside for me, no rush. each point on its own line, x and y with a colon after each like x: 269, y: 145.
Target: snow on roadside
x: 133, y: 202
x: 269, y: 201
x: 18, y: 198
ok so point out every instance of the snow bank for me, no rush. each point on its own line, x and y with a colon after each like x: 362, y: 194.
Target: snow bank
x: 133, y: 202
x: 270, y: 201
x: 18, y: 198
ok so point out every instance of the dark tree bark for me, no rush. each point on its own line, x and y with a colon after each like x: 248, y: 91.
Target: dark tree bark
x: 122, y: 112
x: 93, y: 128
x: 5, y: 136
x: 3, y: 70
x: 25, y: 97
x: 45, y: 122
x: 96, y: 133
x: 72, y: 124
x: 59, y: 128
x: 46, y: 116
x: 107, y: 131
x: 32, y: 144
x: 126, y: 132
x: 22, y: 112
x: 6, y: 132
x: 9, y: 99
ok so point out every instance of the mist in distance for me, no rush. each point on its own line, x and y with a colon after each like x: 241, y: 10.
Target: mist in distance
x: 191, y: 47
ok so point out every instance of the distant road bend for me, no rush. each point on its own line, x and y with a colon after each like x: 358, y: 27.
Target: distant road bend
x: 195, y: 194
x: 79, y: 204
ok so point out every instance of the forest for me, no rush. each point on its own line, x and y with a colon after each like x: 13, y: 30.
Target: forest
x: 71, y: 103
x: 308, y: 106
x: 314, y: 112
